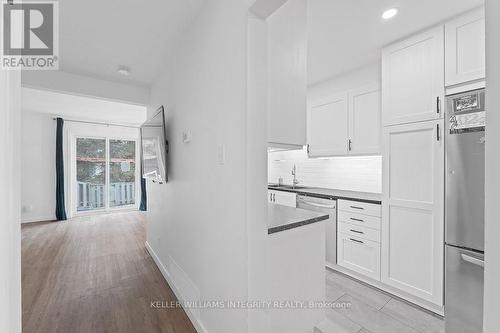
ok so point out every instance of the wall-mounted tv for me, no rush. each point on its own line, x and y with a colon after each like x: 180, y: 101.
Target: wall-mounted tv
x: 155, y: 148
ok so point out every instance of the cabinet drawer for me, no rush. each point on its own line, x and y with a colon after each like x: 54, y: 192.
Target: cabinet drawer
x: 362, y: 256
x: 360, y: 207
x: 282, y: 198
x: 357, y: 231
x: 359, y: 219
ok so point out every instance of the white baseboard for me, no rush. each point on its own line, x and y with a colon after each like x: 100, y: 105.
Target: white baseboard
x: 192, y: 317
x: 38, y: 219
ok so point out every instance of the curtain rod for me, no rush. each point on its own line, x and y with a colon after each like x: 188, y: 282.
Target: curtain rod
x: 97, y: 123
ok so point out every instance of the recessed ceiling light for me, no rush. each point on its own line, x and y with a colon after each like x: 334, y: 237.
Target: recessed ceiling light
x: 390, y: 13
x: 123, y: 70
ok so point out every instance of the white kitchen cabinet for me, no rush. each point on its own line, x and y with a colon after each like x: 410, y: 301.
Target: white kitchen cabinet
x: 348, y: 123
x: 465, y: 48
x: 358, y: 254
x: 328, y: 126
x: 287, y: 70
x: 413, y: 209
x: 365, y: 128
x: 282, y: 198
x: 413, y: 78
x: 347, y: 207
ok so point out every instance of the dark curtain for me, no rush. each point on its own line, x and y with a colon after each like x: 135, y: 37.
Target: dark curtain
x: 144, y: 198
x: 60, y: 204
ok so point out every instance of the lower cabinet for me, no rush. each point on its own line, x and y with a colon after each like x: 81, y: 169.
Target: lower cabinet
x: 282, y: 198
x: 358, y: 254
x: 358, y: 237
x: 413, y: 209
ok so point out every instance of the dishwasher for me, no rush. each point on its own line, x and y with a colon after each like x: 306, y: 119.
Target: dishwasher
x: 328, y: 206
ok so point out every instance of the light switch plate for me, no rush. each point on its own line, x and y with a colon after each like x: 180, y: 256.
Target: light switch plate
x: 187, y: 136
x: 221, y: 154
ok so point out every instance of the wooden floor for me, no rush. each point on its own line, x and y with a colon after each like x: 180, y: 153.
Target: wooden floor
x: 94, y: 274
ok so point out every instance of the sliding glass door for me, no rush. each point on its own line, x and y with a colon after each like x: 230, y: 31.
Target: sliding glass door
x: 91, y: 174
x: 106, y: 174
x: 121, y: 173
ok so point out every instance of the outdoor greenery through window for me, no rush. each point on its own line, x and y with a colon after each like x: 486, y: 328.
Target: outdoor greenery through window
x: 96, y: 173
x: 122, y: 173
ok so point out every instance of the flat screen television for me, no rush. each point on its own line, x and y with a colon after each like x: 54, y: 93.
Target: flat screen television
x: 155, y: 148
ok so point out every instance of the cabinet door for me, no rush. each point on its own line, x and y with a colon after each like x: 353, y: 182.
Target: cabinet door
x: 359, y: 255
x: 328, y: 126
x: 465, y: 48
x: 285, y: 198
x: 287, y: 61
x: 412, y: 209
x: 365, y: 128
x: 413, y: 78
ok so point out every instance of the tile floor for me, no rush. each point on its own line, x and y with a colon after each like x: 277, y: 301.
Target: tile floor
x: 373, y: 311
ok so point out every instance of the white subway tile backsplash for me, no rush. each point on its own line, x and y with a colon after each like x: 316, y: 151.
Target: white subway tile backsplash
x: 357, y: 173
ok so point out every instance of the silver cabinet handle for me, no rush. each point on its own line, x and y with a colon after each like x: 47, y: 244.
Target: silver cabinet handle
x: 356, y: 241
x: 472, y: 260
x: 356, y: 207
x: 274, y: 197
x: 357, y: 231
x: 270, y: 197
x: 355, y: 219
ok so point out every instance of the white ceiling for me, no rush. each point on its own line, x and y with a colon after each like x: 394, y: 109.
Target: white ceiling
x: 96, y: 36
x: 347, y: 34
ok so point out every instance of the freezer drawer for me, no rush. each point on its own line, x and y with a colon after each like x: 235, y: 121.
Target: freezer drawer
x: 464, y: 291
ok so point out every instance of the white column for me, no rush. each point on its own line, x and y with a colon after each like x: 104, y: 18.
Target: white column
x: 10, y: 202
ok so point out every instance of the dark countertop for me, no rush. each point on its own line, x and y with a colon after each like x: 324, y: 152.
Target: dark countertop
x: 375, y: 198
x: 281, y: 218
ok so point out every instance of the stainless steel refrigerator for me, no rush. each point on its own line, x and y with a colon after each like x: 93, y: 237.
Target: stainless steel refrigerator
x: 464, y: 212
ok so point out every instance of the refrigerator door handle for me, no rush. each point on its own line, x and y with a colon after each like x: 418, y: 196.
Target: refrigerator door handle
x: 472, y: 260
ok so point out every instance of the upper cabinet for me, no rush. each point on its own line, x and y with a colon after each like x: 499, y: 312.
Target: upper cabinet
x: 465, y: 48
x: 328, y: 126
x: 365, y: 120
x: 413, y: 78
x: 287, y: 65
x: 345, y: 124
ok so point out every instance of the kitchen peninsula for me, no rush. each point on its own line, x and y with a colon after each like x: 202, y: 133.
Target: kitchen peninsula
x: 296, y: 267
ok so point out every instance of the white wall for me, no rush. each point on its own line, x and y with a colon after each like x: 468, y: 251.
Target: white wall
x: 60, y: 81
x: 38, y: 140
x: 10, y: 199
x: 492, y: 218
x: 197, y: 221
x: 357, y: 173
x: 38, y: 163
x: 256, y: 186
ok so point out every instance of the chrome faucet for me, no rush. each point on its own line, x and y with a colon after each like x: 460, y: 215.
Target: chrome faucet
x: 294, y: 173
